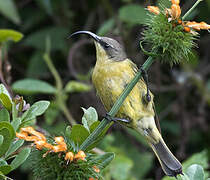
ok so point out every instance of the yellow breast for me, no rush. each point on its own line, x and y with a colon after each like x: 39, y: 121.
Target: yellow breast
x: 110, y: 78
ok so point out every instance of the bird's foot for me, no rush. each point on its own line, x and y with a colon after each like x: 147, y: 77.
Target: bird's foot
x: 145, y: 77
x: 115, y: 119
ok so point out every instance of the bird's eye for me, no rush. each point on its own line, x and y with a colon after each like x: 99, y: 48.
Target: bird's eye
x: 106, y: 45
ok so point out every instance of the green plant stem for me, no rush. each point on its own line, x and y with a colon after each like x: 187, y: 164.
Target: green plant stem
x: 54, y: 72
x: 191, y: 9
x: 59, y: 87
x: 92, y: 137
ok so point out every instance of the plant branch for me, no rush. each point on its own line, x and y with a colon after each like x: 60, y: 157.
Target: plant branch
x: 54, y: 72
x: 59, y: 87
x: 191, y: 9
x: 92, y: 137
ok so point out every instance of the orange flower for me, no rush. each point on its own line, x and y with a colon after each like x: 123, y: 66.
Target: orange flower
x: 22, y: 135
x: 61, y: 144
x: 80, y: 155
x: 175, y: 11
x: 198, y: 26
x: 174, y: 14
x: 153, y: 9
x: 175, y: 2
x: 92, y: 178
x: 59, y: 148
x: 59, y: 139
x: 96, y: 169
x: 40, y: 144
x: 69, y: 156
x: 30, y: 130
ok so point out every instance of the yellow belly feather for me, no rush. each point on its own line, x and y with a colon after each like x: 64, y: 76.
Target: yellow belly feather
x: 110, y: 78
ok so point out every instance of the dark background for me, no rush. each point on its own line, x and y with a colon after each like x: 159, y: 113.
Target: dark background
x: 182, y: 92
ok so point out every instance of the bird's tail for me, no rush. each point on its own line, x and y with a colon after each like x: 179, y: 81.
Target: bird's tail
x: 170, y: 165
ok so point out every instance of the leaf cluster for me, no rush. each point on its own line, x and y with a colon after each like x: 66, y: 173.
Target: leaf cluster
x: 12, y: 149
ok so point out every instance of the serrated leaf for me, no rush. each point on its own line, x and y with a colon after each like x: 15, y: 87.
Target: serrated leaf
x: 14, y: 146
x: 36, y: 109
x: 90, y: 116
x: 20, y: 158
x: 8, y: 34
x: 4, y: 115
x: 9, y: 10
x: 5, y: 98
x: 5, y: 169
x: 75, y: 86
x: 78, y: 134
x: 133, y: 14
x: 1, y: 139
x: 7, y: 131
x: 195, y: 172
x: 106, y: 27
x: 33, y: 86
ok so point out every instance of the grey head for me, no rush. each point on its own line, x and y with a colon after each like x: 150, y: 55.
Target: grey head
x: 112, y: 48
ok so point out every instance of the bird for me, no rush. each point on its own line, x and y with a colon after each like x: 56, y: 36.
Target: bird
x: 111, y: 74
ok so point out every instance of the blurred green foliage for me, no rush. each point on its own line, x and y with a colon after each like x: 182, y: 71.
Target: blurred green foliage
x: 181, y: 98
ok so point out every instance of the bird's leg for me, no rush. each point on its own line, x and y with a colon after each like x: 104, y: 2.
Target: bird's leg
x: 145, y: 77
x: 115, y: 119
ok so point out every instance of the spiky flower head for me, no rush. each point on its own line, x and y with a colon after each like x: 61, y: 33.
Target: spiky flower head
x: 60, y: 158
x: 168, y: 36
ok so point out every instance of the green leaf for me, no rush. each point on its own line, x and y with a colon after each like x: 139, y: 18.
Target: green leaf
x: 7, y: 34
x: 51, y: 113
x: 4, y: 115
x: 33, y: 86
x: 133, y: 14
x: 195, y: 172
x: 164, y: 3
x: 3, y: 162
x: 36, y: 109
x: 46, y: 5
x: 9, y: 10
x: 68, y: 132
x: 20, y: 158
x: 121, y: 167
x: 5, y: 98
x: 90, y: 116
x: 5, y: 169
x: 14, y: 146
x: 57, y: 35
x: 16, y: 123
x: 75, y: 86
x: 7, y: 131
x: 1, y: 139
x: 104, y: 159
x: 78, y: 134
x: 200, y: 158
x: 106, y: 27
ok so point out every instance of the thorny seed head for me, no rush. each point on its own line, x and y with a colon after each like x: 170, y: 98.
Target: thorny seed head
x: 170, y: 37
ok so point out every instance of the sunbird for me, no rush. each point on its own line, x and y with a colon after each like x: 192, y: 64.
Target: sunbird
x: 112, y: 73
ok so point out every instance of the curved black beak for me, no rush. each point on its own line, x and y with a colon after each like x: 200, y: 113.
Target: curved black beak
x: 94, y: 36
